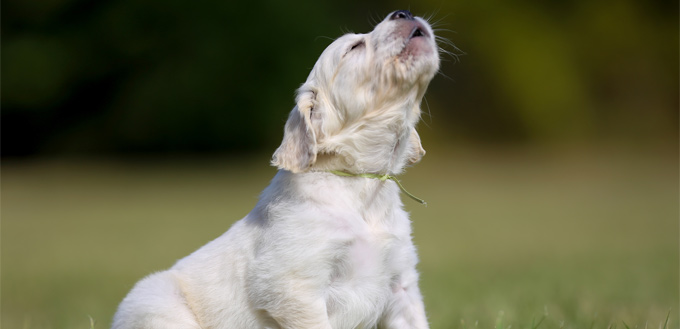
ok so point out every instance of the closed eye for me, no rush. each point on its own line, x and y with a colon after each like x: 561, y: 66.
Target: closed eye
x: 357, y: 45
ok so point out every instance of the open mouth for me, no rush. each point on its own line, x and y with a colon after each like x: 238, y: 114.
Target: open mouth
x: 417, y: 42
x: 418, y: 32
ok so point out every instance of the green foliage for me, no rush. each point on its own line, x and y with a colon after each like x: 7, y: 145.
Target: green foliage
x: 149, y: 76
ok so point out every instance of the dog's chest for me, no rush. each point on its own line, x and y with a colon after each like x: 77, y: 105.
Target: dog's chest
x: 368, y: 267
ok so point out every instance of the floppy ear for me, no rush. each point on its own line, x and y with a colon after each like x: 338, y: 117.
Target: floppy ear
x: 416, y: 151
x: 298, y: 149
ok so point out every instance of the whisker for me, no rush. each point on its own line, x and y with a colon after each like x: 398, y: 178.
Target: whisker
x: 444, y: 30
x: 440, y: 21
x: 374, y: 19
x: 345, y: 30
x: 429, y: 113
x: 442, y: 74
x: 324, y: 37
x: 431, y: 15
x: 450, y: 45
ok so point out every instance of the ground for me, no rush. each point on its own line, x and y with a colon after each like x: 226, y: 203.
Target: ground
x: 509, y: 238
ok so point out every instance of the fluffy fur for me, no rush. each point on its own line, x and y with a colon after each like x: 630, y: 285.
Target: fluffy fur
x: 318, y: 250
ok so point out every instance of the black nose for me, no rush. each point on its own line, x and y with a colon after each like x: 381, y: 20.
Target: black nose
x: 401, y: 14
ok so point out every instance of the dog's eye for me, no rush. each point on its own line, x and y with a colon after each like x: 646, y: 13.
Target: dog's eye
x: 357, y: 45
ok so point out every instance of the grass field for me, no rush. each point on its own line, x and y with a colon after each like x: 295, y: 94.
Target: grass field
x: 570, y: 239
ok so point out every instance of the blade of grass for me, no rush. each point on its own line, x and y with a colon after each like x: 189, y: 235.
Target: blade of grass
x: 537, y: 324
x: 665, y: 325
x: 499, y: 320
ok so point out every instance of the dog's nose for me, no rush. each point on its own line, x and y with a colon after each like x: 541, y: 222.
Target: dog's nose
x: 401, y: 14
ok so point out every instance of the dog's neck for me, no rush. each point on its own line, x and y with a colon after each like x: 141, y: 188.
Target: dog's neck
x: 379, y: 154
x: 381, y: 178
x: 379, y: 141
x: 365, y: 195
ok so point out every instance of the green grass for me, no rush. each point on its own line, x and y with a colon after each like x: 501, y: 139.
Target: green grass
x: 508, y: 239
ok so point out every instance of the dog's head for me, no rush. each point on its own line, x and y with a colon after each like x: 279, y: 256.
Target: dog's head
x: 358, y: 109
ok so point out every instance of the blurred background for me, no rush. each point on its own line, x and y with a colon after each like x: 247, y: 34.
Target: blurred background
x: 135, y: 131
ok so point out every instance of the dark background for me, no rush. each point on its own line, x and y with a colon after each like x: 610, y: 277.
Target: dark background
x: 128, y: 77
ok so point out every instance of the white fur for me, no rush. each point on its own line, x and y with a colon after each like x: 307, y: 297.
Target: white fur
x: 318, y: 250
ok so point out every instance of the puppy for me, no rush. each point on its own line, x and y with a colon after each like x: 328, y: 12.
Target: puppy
x: 328, y: 244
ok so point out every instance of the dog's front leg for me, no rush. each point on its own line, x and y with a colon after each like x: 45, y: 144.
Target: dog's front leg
x: 297, y: 309
x: 287, y: 289
x: 292, y: 305
x: 406, y: 309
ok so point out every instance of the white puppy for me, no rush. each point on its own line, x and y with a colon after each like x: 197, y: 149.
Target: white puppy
x: 325, y: 247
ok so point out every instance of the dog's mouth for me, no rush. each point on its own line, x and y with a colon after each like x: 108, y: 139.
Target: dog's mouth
x: 418, y: 32
x: 416, y: 41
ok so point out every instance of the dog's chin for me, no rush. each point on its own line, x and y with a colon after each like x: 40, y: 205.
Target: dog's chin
x: 415, y: 48
x: 418, y: 58
x: 414, y: 66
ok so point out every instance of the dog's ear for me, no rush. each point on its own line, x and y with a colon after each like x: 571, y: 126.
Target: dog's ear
x: 299, y: 148
x: 416, y: 151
